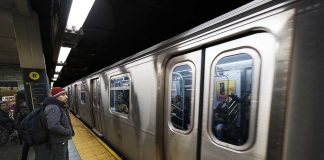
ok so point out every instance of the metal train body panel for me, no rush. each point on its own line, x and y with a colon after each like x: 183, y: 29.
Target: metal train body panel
x: 228, y: 89
x: 84, y: 102
x: 134, y: 131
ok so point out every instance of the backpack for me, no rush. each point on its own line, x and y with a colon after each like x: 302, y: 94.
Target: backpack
x: 22, y: 110
x: 33, y: 128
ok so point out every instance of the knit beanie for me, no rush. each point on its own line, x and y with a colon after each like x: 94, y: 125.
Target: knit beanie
x: 57, y: 91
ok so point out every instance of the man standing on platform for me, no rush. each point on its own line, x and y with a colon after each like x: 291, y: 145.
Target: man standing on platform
x: 58, y: 125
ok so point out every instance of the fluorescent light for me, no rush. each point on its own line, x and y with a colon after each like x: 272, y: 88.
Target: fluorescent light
x: 58, y: 68
x: 56, y: 75
x: 78, y: 13
x: 52, y: 84
x: 64, y: 53
x: 54, y: 79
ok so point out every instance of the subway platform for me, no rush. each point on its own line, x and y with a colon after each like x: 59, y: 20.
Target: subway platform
x: 85, y: 145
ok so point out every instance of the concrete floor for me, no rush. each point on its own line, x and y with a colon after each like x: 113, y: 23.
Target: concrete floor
x: 12, y: 151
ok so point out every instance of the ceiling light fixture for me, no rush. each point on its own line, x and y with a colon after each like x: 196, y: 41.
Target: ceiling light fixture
x: 78, y: 13
x: 58, y: 69
x: 64, y: 53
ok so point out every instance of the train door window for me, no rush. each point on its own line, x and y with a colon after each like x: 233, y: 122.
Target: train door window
x: 83, y: 94
x: 120, y: 94
x: 232, y: 113
x: 181, y: 97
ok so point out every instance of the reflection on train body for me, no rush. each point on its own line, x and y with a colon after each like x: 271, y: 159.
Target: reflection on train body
x: 223, y: 90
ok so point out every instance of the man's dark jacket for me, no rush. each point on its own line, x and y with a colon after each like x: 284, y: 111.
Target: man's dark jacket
x: 4, y: 117
x: 58, y: 121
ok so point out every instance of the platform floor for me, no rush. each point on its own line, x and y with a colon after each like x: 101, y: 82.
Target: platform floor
x: 88, y: 145
x: 85, y: 145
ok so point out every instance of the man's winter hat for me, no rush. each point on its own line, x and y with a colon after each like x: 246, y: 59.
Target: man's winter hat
x: 57, y: 91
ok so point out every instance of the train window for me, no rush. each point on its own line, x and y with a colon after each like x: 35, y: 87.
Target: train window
x: 231, y: 102
x: 120, y: 94
x: 181, y: 91
x: 83, y: 94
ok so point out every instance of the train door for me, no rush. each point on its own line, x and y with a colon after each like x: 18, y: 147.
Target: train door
x: 69, y: 100
x: 75, y: 100
x: 181, y: 106
x: 235, y: 118
x: 95, y: 105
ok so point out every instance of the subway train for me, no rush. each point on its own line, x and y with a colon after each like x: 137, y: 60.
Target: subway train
x: 243, y: 86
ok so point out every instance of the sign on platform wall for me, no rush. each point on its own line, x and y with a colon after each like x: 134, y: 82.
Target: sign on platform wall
x: 36, y: 85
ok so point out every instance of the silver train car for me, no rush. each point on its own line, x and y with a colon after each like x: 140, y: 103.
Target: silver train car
x: 243, y: 86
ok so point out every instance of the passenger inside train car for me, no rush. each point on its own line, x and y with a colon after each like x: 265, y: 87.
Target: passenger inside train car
x: 232, y: 104
x: 120, y: 94
x: 181, y: 97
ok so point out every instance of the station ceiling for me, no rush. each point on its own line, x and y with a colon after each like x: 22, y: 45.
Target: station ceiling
x: 8, y: 48
x: 116, y: 29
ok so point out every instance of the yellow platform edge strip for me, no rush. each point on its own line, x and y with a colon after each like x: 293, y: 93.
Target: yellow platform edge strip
x: 112, y: 152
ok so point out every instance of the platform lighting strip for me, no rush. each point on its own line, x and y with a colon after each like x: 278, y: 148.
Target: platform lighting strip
x: 58, y: 69
x: 78, y: 13
x: 64, y: 53
x: 56, y: 75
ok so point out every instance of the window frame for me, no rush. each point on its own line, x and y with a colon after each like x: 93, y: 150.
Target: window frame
x: 130, y: 95
x: 85, y: 93
x: 170, y: 124
x: 256, y: 72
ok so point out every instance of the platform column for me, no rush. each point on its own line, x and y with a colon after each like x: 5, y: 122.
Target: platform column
x: 31, y: 57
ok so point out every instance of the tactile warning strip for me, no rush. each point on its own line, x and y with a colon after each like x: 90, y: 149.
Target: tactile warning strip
x: 89, y: 146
